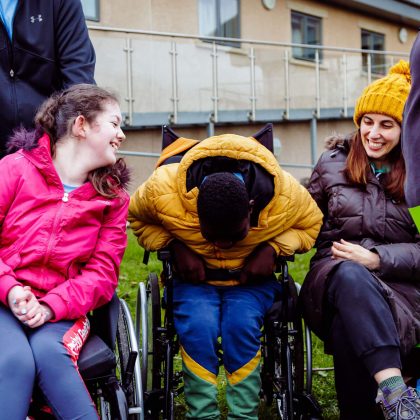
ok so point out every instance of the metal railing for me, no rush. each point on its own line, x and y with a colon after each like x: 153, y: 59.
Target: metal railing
x: 181, y: 79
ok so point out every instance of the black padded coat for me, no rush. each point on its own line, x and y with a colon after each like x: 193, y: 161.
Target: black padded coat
x: 371, y: 219
x: 50, y: 51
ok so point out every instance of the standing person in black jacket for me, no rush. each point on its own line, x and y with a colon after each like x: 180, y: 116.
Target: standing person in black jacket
x: 362, y: 292
x: 44, y: 47
x: 411, y: 136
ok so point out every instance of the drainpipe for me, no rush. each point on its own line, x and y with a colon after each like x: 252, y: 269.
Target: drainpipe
x: 314, y: 140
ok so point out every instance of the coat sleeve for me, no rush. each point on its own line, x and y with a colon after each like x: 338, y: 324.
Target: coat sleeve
x: 304, y: 222
x: 75, y: 53
x: 399, y: 262
x: 317, y: 189
x: 8, y: 181
x: 411, y: 130
x: 96, y: 282
x: 144, y: 219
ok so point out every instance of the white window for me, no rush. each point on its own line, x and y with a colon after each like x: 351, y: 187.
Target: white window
x: 306, y: 29
x: 91, y: 9
x: 373, y: 41
x: 220, y: 18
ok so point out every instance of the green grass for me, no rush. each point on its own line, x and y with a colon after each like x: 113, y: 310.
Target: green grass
x: 133, y: 271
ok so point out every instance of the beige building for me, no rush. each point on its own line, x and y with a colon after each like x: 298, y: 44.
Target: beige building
x: 213, y: 66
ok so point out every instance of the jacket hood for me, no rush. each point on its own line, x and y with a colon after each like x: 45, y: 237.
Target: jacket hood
x: 28, y: 140
x: 338, y: 141
x: 247, y: 152
x: 23, y: 139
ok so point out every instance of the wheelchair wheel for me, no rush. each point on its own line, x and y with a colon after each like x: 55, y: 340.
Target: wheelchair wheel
x: 289, y: 372
x: 149, y: 329
x: 128, y: 367
x: 154, y: 377
x: 283, y: 363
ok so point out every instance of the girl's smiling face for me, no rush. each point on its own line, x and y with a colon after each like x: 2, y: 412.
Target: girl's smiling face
x: 379, y: 134
x: 104, y: 135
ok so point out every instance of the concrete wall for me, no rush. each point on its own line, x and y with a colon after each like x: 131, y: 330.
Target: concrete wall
x: 152, y: 69
x: 341, y: 27
x: 294, y: 139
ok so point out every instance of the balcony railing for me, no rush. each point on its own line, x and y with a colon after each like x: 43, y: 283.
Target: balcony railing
x: 178, y: 78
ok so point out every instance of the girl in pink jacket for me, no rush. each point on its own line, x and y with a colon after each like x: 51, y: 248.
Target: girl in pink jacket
x: 63, y: 212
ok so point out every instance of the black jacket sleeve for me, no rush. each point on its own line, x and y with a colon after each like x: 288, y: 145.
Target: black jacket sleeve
x: 75, y: 53
x: 399, y: 262
x: 411, y: 130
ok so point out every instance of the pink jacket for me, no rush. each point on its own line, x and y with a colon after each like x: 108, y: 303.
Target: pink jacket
x: 67, y: 248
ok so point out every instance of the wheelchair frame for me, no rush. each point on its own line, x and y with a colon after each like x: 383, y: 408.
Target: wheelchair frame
x: 282, y: 370
x: 109, y: 363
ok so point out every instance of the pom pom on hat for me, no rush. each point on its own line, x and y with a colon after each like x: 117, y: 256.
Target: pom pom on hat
x: 386, y: 95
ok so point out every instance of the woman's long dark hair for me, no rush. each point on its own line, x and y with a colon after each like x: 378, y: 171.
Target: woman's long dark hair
x: 358, y: 169
x: 56, y: 116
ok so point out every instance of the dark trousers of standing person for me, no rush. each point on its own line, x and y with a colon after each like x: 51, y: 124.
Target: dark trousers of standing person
x: 363, y: 338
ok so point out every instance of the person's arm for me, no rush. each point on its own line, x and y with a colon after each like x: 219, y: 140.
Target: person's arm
x: 304, y: 220
x: 411, y: 134
x: 399, y: 261
x: 9, y: 180
x: 97, y: 280
x: 316, y: 186
x: 75, y: 53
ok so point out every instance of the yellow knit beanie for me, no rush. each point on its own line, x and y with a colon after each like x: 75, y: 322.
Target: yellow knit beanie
x: 386, y: 95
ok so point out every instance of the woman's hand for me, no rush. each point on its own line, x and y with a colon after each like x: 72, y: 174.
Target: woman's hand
x: 357, y: 253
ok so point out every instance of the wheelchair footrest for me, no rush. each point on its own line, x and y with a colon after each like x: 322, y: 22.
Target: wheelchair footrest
x: 96, y: 359
x: 309, y: 406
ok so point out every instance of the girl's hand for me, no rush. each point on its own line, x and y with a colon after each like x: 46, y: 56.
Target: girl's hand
x: 18, y: 299
x: 357, y: 253
x: 26, y: 307
x: 42, y: 316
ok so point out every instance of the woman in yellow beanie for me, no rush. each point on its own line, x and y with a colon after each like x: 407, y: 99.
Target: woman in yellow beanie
x: 362, y: 295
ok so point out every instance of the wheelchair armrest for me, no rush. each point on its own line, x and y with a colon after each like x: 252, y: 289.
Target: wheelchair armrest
x: 164, y: 254
x: 96, y: 358
x: 104, y: 321
x: 281, y: 262
x: 285, y: 258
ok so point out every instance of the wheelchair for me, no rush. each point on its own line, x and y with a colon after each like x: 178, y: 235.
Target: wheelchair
x: 282, y: 369
x: 109, y: 365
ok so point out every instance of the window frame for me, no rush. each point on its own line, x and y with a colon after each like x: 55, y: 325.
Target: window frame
x: 219, y: 25
x: 377, y: 60
x: 302, y: 53
x: 96, y: 17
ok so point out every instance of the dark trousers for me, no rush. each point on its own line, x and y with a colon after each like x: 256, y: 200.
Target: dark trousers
x: 363, y: 338
x: 47, y: 356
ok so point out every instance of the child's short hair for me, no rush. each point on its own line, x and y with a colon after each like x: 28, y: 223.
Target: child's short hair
x: 222, y: 202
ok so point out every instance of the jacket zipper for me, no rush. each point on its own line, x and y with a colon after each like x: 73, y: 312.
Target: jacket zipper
x: 10, y: 44
x: 64, y: 199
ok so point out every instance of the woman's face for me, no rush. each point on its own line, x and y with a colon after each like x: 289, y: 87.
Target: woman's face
x: 380, y: 134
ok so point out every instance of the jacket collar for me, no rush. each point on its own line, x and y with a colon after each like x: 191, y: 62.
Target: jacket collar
x: 41, y: 158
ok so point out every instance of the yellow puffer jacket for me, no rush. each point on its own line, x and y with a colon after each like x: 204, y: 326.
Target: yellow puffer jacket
x: 162, y: 209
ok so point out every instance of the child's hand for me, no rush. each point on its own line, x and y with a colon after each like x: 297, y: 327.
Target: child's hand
x: 17, y: 299
x: 259, y: 264
x: 26, y: 307
x: 188, y: 265
x: 42, y: 315
x: 20, y: 300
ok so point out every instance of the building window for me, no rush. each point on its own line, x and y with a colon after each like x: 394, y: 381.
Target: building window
x: 91, y: 9
x: 373, y: 41
x: 306, y: 29
x: 220, y: 18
